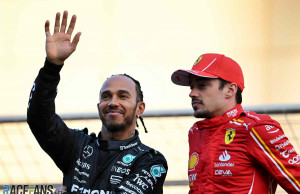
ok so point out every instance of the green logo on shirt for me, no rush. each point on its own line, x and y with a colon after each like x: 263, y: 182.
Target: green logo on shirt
x: 157, y: 170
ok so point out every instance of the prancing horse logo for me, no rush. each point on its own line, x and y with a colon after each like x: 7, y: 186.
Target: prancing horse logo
x: 230, y: 133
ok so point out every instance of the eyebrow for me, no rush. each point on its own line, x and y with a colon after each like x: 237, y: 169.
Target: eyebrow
x: 124, y: 91
x: 119, y: 92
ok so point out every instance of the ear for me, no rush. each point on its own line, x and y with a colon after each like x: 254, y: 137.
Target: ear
x: 231, y: 90
x: 140, y: 108
x: 98, y: 107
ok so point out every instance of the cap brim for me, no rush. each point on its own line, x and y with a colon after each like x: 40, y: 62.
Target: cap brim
x: 182, y: 77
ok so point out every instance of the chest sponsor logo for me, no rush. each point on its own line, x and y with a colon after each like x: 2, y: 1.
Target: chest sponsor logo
x: 125, y: 189
x: 115, y: 179
x: 138, y: 180
x: 225, y: 156
x: 83, y: 164
x: 77, y: 189
x: 229, y: 135
x: 157, y: 170
x: 87, y: 151
x: 120, y: 170
x: 82, y: 173
x: 128, y: 146
x: 295, y: 160
x: 128, y: 158
x: 223, y: 164
x: 193, y: 161
x: 124, y: 164
x: 135, y: 187
x: 271, y: 129
x: 78, y: 180
x: 223, y: 172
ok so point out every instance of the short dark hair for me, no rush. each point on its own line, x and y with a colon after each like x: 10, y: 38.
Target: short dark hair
x: 139, y: 92
x: 238, y: 95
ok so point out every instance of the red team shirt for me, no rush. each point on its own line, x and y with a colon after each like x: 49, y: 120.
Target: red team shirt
x: 241, y: 152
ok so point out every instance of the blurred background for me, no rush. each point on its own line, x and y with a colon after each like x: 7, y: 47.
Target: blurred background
x: 148, y: 40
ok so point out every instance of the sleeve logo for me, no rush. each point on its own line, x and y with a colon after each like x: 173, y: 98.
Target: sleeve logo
x: 157, y: 170
x: 193, y: 161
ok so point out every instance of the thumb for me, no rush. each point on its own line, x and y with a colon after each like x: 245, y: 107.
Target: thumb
x: 76, y: 40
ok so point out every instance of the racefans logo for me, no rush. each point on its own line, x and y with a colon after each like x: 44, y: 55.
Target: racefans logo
x: 198, y: 60
x: 193, y: 161
x: 30, y: 189
x: 229, y: 135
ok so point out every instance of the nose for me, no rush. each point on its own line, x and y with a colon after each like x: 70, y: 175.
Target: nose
x: 193, y: 93
x: 113, y: 102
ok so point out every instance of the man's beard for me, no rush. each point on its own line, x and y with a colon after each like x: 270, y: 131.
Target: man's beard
x: 202, y: 114
x: 112, y: 126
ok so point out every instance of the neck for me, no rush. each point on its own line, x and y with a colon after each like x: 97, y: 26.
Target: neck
x: 226, y: 108
x: 119, y: 135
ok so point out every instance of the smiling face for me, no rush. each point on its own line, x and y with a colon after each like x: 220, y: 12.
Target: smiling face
x: 118, y: 107
x: 208, y: 100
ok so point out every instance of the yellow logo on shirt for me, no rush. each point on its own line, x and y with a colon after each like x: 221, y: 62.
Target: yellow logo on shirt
x: 193, y: 161
x: 230, y: 133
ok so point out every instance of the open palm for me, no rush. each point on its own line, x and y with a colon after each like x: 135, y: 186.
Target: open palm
x: 59, y: 46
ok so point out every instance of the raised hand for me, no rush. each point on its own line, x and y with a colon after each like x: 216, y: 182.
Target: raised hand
x: 59, y: 46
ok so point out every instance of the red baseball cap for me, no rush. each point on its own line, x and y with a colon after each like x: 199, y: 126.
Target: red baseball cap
x: 211, y: 66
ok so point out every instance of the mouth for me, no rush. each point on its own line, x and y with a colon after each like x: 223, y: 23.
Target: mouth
x: 113, y: 112
x: 197, y: 102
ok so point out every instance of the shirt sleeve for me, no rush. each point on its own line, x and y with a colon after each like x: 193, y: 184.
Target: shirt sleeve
x: 52, y: 134
x: 148, y: 176
x: 273, y: 150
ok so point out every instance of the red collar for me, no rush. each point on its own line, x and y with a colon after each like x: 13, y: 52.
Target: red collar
x: 227, y: 116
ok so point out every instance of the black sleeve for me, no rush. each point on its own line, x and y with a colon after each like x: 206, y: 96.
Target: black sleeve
x: 51, y: 132
x: 148, y: 176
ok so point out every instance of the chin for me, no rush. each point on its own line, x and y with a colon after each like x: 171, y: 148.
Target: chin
x: 202, y: 114
x: 115, y: 127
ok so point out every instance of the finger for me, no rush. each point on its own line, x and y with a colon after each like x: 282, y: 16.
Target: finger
x: 57, y: 21
x: 72, y: 25
x: 47, y: 31
x: 64, y: 22
x: 76, y: 40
